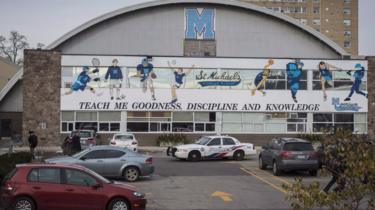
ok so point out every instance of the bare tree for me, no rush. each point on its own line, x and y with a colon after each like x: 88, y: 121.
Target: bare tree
x: 13, y: 47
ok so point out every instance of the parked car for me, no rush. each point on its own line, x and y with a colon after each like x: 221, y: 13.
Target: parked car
x: 126, y: 140
x: 288, y: 154
x: 88, y: 137
x: 213, y: 147
x: 110, y: 161
x: 59, y: 186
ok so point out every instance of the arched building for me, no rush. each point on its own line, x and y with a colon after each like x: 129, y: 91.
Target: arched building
x: 208, y: 58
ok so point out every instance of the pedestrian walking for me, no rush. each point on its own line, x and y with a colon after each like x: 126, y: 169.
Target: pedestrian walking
x: 76, y: 142
x: 33, y: 142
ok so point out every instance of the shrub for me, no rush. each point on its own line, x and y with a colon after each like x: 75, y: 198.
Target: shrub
x: 351, y: 159
x: 171, y: 140
x: 8, y: 162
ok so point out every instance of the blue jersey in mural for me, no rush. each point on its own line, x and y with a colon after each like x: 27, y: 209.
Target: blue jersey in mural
x: 294, y: 74
x: 258, y: 78
x: 81, y: 82
x: 325, y: 74
x: 145, y: 70
x: 114, y: 72
x: 179, y: 77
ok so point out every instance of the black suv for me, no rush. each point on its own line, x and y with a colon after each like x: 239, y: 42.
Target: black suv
x: 288, y: 154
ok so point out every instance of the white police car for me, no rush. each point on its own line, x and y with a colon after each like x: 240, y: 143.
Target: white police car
x: 213, y: 147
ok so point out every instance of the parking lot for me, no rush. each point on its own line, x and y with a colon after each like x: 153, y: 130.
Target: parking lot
x: 217, y: 184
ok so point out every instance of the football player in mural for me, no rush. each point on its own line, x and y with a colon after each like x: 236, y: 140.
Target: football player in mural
x: 294, y: 73
x: 359, y: 73
x: 145, y: 71
x: 179, y: 75
x: 326, y: 76
x: 114, y: 74
x: 261, y: 78
x: 81, y: 82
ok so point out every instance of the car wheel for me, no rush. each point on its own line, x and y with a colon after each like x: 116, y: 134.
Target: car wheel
x: 194, y: 156
x: 131, y: 174
x: 24, y: 203
x: 238, y: 155
x: 313, y: 172
x: 275, y: 169
x: 262, y: 165
x: 118, y: 204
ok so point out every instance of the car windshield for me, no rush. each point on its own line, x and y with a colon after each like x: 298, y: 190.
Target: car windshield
x: 124, y: 137
x: 82, y: 134
x: 298, y: 146
x: 203, y: 140
x: 98, y: 176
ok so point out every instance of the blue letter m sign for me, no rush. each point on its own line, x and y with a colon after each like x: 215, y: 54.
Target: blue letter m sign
x: 199, y: 23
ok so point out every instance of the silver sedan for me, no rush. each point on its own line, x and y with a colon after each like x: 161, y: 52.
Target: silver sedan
x: 109, y: 161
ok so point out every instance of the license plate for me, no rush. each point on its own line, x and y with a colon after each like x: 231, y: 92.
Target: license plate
x: 301, y: 157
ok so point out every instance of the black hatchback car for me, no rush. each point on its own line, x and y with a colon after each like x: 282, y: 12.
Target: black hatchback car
x: 289, y: 154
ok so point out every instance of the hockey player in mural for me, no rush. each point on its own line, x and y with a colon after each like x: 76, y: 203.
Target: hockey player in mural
x: 81, y: 82
x: 178, y: 81
x: 146, y: 73
x: 261, y: 78
x: 114, y: 75
x: 294, y: 73
x: 326, y: 76
x: 359, y: 73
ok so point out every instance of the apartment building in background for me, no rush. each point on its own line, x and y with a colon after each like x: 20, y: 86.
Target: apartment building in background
x: 336, y: 19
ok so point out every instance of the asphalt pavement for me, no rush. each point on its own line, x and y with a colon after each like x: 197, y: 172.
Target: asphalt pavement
x: 214, y: 185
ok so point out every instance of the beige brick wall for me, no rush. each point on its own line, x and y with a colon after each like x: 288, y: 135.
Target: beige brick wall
x: 41, y: 95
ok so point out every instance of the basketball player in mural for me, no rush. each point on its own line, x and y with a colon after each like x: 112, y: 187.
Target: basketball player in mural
x: 294, y: 73
x: 179, y: 75
x: 359, y: 73
x: 81, y: 82
x: 114, y: 75
x: 145, y: 71
x: 261, y: 78
x: 326, y: 76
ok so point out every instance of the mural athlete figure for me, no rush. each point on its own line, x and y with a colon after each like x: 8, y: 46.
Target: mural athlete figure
x: 81, y: 82
x: 359, y: 73
x: 145, y: 71
x: 179, y: 75
x: 294, y: 73
x: 261, y: 78
x: 326, y: 76
x: 114, y: 74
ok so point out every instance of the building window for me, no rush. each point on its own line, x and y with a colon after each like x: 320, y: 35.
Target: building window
x: 347, y: 1
x: 347, y: 22
x: 347, y: 33
x: 347, y: 44
x: 316, y: 21
x: 171, y: 122
x: 316, y: 10
x: 316, y: 1
x: 264, y: 122
x: 347, y: 11
x: 303, y: 21
x: 327, y: 122
x: 199, y: 48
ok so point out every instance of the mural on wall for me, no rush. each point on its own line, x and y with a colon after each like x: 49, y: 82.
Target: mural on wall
x: 359, y: 73
x: 205, y: 88
x: 199, y: 23
x: 261, y: 78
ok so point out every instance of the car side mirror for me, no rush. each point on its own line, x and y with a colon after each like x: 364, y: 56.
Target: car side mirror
x: 83, y: 158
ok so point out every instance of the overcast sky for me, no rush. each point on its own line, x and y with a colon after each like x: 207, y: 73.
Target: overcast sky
x: 46, y: 20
